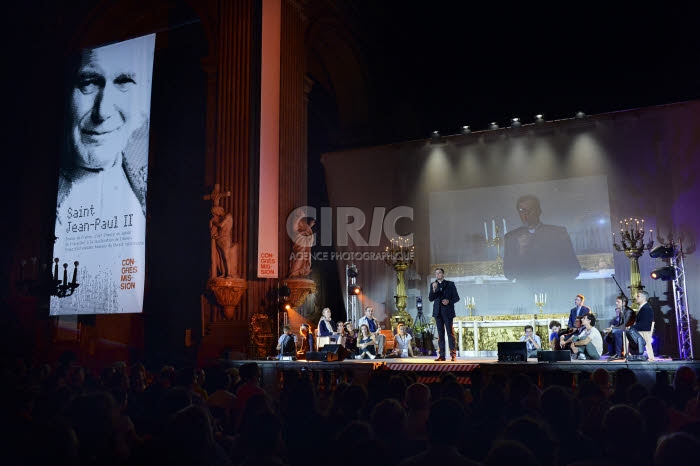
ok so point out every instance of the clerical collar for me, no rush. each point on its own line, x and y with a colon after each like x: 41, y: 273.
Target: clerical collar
x: 533, y: 229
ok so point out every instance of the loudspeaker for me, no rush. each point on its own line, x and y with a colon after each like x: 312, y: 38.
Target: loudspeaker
x: 553, y: 356
x: 334, y: 352
x: 512, y: 351
x: 315, y: 356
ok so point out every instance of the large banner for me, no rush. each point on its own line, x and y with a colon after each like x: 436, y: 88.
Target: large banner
x: 101, y: 202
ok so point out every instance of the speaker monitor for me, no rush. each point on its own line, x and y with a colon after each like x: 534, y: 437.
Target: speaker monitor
x: 553, y: 356
x: 315, y: 356
x: 512, y: 351
x: 334, y: 352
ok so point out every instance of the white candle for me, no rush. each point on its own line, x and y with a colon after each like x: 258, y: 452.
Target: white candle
x: 545, y: 298
x: 504, y: 227
x: 473, y: 301
x: 486, y: 232
x: 536, y: 299
x: 493, y: 227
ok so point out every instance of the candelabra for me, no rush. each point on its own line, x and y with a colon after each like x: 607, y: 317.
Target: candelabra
x: 399, y: 255
x: 495, y: 241
x: 46, y: 283
x: 540, y: 301
x: 470, y: 304
x: 632, y: 244
x: 60, y: 288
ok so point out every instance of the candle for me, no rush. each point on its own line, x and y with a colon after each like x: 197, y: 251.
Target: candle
x: 473, y: 301
x: 545, y: 298
x: 75, y: 273
x: 486, y: 232
x: 493, y: 227
x: 55, y: 270
x: 504, y: 227
x: 65, y: 274
x: 536, y: 298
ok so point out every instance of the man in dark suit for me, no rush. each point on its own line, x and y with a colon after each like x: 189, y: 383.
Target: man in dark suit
x: 535, y: 250
x: 642, y: 325
x: 579, y: 310
x: 443, y: 295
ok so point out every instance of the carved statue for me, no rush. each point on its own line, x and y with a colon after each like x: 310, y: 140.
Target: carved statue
x: 300, y: 260
x: 224, y: 251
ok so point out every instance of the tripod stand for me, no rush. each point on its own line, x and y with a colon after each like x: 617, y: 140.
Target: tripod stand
x: 423, y: 334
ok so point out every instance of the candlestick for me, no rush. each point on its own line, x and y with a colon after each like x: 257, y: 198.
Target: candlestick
x: 75, y: 273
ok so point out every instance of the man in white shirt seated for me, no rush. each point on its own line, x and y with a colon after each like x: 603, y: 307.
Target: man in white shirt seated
x: 589, y: 343
x: 533, y: 341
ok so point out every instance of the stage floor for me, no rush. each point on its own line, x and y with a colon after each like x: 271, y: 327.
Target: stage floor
x: 428, y: 370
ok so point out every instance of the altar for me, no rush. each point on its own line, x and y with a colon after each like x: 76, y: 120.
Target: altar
x: 478, y: 336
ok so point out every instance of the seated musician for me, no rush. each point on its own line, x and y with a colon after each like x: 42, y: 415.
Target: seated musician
x: 555, y: 330
x: 566, y: 337
x: 307, y: 341
x: 286, y: 344
x: 624, y: 317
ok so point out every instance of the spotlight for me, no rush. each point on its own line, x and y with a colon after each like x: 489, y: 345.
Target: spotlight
x: 493, y: 125
x: 352, y: 272
x: 285, y: 292
x: 435, y: 134
x: 466, y: 129
x: 539, y: 118
x: 355, y: 289
x: 580, y: 114
x: 287, y: 307
x: 666, y: 273
x: 663, y: 251
x: 515, y: 122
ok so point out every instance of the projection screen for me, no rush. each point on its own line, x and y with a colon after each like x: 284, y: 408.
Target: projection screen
x: 101, y: 200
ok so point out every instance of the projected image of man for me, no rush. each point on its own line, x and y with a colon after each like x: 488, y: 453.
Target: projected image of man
x: 537, y: 250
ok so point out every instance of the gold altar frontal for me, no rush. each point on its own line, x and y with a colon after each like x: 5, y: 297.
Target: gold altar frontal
x: 479, y: 335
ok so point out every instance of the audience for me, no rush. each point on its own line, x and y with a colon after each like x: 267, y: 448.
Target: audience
x: 128, y: 415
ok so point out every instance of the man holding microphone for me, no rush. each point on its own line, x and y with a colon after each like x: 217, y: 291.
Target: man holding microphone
x: 443, y: 295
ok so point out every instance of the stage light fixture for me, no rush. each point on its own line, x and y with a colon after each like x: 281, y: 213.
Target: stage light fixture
x: 355, y: 289
x: 352, y: 272
x: 435, y: 134
x: 285, y: 292
x: 539, y: 118
x: 493, y: 125
x: 580, y: 114
x: 663, y: 251
x: 515, y: 122
x: 466, y: 129
x: 666, y: 273
x: 287, y: 307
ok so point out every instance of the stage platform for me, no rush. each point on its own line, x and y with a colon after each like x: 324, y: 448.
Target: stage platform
x: 327, y: 375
